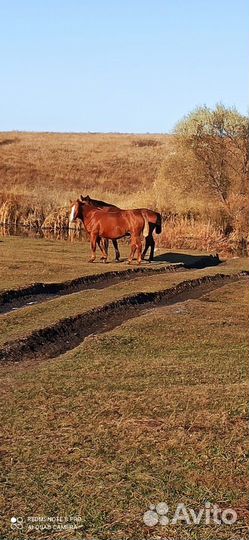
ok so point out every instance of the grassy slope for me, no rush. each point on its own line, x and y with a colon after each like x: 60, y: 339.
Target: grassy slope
x: 57, y: 166
x: 153, y: 411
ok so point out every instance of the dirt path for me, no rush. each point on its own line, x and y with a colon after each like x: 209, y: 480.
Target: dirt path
x: 67, y: 333
x: 37, y: 293
x: 41, y: 292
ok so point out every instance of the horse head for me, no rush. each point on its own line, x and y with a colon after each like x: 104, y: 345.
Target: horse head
x: 76, y: 211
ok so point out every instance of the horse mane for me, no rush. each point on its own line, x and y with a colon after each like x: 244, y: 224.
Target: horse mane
x: 100, y: 204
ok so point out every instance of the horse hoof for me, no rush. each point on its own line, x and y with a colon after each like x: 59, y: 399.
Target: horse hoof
x: 91, y: 260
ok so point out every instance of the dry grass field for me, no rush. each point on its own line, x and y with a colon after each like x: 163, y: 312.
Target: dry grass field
x: 41, y: 172
x: 151, y: 411
x: 50, y: 168
x: 130, y: 390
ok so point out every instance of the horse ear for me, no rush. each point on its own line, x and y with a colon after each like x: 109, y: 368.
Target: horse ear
x: 82, y: 198
x: 70, y: 201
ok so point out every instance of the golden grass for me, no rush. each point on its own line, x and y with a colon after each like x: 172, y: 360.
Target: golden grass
x: 193, y: 233
x: 63, y: 164
x: 42, y: 172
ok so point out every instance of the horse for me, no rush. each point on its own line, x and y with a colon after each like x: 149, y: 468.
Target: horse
x: 154, y: 220
x: 102, y: 204
x: 101, y: 223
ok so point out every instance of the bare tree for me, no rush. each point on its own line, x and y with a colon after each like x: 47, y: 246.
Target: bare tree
x: 213, y: 151
x: 219, y: 140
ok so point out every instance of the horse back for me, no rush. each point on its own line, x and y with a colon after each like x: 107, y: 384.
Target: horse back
x: 115, y: 224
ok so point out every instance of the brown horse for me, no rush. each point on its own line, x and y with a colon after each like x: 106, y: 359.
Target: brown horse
x: 154, y: 220
x: 102, y: 204
x: 101, y: 223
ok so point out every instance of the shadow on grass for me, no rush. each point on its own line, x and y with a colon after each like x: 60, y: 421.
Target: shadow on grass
x: 189, y: 261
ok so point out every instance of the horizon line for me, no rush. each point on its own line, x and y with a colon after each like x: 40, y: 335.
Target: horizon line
x: 87, y: 132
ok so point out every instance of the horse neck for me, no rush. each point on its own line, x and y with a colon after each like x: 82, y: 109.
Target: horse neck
x: 85, y: 211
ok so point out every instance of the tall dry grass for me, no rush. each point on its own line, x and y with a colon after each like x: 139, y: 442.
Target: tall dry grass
x: 187, y: 232
x: 42, y: 172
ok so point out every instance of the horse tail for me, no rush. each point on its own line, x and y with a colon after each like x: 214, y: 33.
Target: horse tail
x: 146, y: 229
x: 158, y: 223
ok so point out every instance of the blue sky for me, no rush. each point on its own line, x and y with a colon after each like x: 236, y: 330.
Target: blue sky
x: 119, y: 65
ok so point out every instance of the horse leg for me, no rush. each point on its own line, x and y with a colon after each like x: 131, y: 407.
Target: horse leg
x: 133, y: 249
x: 139, y: 249
x: 106, y: 245
x: 117, y: 253
x: 152, y: 247
x: 149, y: 242
x: 147, y: 245
x: 102, y: 246
x: 93, y: 240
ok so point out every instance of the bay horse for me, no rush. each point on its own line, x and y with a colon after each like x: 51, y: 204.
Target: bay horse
x: 154, y: 220
x: 101, y: 223
x: 102, y: 204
